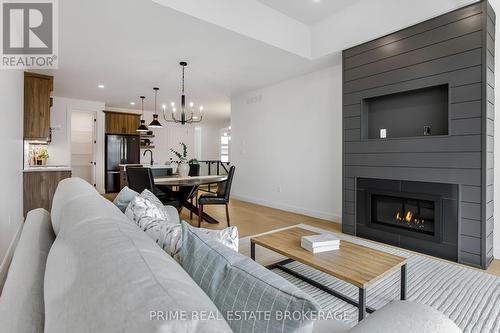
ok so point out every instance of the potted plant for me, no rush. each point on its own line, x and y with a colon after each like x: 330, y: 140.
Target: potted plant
x: 194, y: 167
x: 183, y: 166
x: 42, y: 154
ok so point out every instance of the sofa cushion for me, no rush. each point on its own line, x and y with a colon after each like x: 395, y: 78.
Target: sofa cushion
x: 21, y: 303
x: 239, y: 286
x: 104, y: 274
x: 409, y: 317
x: 123, y: 198
x: 68, y: 190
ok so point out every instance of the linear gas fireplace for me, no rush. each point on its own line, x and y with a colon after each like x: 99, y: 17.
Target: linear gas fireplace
x: 420, y: 216
x: 415, y: 215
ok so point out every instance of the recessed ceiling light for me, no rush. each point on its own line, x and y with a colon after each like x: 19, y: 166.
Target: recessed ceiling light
x: 100, y: 86
x: 316, y: 1
x: 132, y: 103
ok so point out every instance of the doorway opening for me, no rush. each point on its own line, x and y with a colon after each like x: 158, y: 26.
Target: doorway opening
x: 83, y: 142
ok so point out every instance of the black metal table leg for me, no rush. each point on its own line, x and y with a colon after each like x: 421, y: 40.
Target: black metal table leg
x: 186, y: 193
x: 403, y: 282
x: 252, y: 250
x: 281, y: 266
x: 362, y: 304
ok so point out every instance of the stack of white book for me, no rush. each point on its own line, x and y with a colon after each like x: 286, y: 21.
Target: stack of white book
x: 320, y: 243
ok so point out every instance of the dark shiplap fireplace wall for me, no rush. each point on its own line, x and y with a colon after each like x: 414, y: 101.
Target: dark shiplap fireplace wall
x: 455, y: 50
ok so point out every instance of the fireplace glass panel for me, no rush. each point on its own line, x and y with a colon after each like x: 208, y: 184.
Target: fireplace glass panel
x: 405, y: 213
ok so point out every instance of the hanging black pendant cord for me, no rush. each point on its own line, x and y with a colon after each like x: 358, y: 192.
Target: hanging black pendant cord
x: 156, y: 96
x: 142, y: 101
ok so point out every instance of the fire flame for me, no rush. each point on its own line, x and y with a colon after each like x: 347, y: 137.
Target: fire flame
x: 409, y: 218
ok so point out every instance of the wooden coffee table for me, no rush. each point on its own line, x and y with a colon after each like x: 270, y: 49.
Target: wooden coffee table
x: 352, y: 263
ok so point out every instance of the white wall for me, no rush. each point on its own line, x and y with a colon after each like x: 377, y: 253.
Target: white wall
x: 11, y: 146
x: 60, y: 147
x: 210, y: 139
x: 287, y: 144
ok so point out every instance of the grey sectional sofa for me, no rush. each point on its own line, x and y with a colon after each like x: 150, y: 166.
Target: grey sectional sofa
x: 86, y: 268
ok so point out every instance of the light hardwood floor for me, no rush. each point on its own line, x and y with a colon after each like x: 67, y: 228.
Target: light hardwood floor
x: 252, y: 219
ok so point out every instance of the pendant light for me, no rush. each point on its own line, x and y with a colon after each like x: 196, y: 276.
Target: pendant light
x: 155, y: 123
x: 142, y: 128
x: 184, y: 117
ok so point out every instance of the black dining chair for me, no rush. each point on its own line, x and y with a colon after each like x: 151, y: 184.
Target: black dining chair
x: 220, y: 198
x: 140, y: 179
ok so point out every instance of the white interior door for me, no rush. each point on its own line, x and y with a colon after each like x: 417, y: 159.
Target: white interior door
x: 83, y: 145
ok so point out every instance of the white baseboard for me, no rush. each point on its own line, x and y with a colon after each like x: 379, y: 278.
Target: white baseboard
x: 4, y: 267
x: 293, y: 209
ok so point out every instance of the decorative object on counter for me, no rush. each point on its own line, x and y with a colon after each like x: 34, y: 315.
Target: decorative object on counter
x: 183, y: 166
x: 183, y: 118
x: 142, y: 128
x: 41, y: 154
x: 194, y: 167
x: 155, y: 123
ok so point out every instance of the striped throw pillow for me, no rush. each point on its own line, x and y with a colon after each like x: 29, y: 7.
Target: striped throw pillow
x: 250, y: 297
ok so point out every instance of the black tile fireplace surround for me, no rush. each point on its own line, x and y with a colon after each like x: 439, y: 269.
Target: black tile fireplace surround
x: 418, y: 216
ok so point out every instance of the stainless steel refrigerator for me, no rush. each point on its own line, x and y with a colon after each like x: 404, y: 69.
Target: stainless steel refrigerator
x: 120, y: 149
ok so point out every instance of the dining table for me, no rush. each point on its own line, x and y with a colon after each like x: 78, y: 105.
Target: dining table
x: 188, y: 187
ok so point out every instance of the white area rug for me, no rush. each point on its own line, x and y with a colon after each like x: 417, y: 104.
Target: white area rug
x: 469, y: 297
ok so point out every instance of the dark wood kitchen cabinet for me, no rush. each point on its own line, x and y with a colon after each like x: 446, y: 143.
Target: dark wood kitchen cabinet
x: 37, y: 104
x: 39, y: 188
x: 122, y: 123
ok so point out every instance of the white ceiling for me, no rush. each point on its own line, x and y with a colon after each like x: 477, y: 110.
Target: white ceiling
x: 308, y: 11
x: 131, y: 46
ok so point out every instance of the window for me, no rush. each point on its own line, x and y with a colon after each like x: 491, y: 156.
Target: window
x: 225, y: 138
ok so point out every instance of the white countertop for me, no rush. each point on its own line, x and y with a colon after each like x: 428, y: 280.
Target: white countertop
x: 154, y: 166
x: 42, y: 168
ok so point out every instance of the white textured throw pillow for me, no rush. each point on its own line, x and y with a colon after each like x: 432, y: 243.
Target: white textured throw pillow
x: 146, y: 204
x: 151, y: 216
x: 171, y: 238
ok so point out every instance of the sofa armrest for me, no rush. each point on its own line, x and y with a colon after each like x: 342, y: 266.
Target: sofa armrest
x: 330, y: 326
x: 408, y: 317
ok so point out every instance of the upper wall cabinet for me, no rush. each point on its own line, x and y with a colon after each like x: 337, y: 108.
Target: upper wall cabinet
x: 37, y: 103
x: 122, y: 123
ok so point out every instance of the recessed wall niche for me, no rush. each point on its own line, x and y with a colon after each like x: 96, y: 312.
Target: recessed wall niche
x: 420, y: 112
